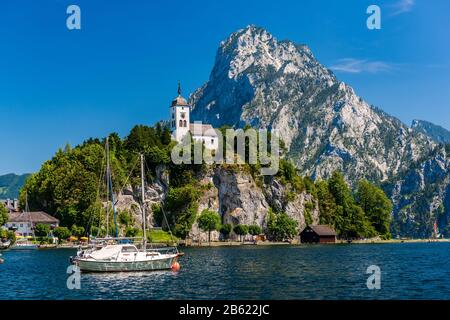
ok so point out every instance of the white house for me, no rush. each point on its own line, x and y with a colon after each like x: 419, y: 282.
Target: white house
x: 180, y: 124
x: 23, y: 223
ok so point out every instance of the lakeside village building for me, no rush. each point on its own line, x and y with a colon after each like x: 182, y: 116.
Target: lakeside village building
x: 180, y: 124
x: 23, y: 223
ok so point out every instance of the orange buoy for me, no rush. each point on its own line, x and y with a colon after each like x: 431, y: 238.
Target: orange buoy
x: 176, y: 266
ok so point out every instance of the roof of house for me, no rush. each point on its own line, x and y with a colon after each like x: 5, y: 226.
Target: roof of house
x: 206, y: 130
x: 35, y: 217
x: 323, y: 230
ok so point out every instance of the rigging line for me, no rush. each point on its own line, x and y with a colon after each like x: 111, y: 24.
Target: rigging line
x: 162, y: 209
x: 128, y: 178
x: 91, y: 216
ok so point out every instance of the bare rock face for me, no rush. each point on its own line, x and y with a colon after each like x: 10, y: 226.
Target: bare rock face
x: 162, y: 177
x: 277, y: 196
x: 234, y: 195
x: 241, y: 201
x: 209, y: 200
x: 131, y: 199
x: 421, y: 197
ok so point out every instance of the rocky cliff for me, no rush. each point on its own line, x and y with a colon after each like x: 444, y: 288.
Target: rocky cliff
x: 421, y: 197
x: 237, y: 197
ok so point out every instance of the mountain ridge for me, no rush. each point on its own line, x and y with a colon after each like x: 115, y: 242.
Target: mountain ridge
x: 10, y: 185
x: 435, y: 132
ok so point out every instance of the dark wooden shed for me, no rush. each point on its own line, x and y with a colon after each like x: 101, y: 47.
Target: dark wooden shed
x: 318, y: 234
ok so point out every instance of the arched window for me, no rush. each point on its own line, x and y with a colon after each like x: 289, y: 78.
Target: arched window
x: 212, y: 141
x: 185, y: 124
x: 181, y: 123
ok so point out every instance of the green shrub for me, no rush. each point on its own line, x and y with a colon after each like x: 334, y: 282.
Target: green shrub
x: 77, y: 231
x: 241, y: 230
x: 226, y: 230
x: 209, y: 221
x: 132, y: 232
x: 254, y: 230
x: 280, y: 226
x: 62, y: 233
x: 125, y: 218
x: 42, y: 230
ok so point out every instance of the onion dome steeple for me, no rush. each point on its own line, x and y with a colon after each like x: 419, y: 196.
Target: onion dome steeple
x: 179, y: 100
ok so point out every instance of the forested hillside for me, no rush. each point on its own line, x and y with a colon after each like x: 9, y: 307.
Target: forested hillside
x: 10, y: 185
x: 71, y: 187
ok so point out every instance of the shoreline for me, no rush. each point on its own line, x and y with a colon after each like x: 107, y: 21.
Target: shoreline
x: 266, y: 243
x: 297, y: 243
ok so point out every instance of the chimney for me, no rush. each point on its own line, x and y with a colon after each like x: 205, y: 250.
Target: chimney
x: 16, y: 205
x: 8, y: 204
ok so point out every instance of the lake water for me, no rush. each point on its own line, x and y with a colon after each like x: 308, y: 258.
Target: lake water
x: 408, y: 271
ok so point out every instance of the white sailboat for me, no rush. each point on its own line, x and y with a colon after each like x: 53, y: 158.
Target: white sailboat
x: 117, y: 257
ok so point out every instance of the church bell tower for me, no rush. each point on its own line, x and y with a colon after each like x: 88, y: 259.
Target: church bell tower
x: 179, y: 116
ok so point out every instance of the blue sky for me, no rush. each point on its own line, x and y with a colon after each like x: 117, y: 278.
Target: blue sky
x: 59, y: 86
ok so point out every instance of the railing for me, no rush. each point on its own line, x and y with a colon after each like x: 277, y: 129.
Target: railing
x: 137, y: 241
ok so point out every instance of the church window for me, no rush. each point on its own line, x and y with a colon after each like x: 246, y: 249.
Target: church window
x: 181, y: 123
x: 185, y: 124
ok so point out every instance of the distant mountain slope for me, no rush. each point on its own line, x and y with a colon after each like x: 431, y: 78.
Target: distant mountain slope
x: 10, y: 185
x: 435, y: 132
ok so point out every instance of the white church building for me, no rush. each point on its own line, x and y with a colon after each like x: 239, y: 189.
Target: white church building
x: 180, y: 124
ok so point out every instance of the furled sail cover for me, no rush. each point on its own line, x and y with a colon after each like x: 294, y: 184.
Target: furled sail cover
x: 106, y: 253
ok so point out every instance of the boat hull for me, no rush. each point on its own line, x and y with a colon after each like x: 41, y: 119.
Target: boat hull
x: 89, y: 265
x: 4, y: 246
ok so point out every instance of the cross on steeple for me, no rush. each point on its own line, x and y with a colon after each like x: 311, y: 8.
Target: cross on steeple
x: 179, y: 88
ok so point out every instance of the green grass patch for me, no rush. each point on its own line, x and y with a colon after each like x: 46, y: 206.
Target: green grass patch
x: 160, y: 236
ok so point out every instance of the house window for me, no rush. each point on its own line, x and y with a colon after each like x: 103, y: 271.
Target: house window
x: 173, y: 116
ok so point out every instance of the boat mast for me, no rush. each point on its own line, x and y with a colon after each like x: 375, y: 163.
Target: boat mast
x: 27, y: 210
x: 107, y: 186
x: 144, y: 240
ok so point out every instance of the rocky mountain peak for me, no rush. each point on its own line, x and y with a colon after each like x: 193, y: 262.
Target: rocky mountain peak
x: 252, y: 48
x: 326, y: 126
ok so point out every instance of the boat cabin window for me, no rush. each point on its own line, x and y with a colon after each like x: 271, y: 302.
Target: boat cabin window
x: 129, y: 249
